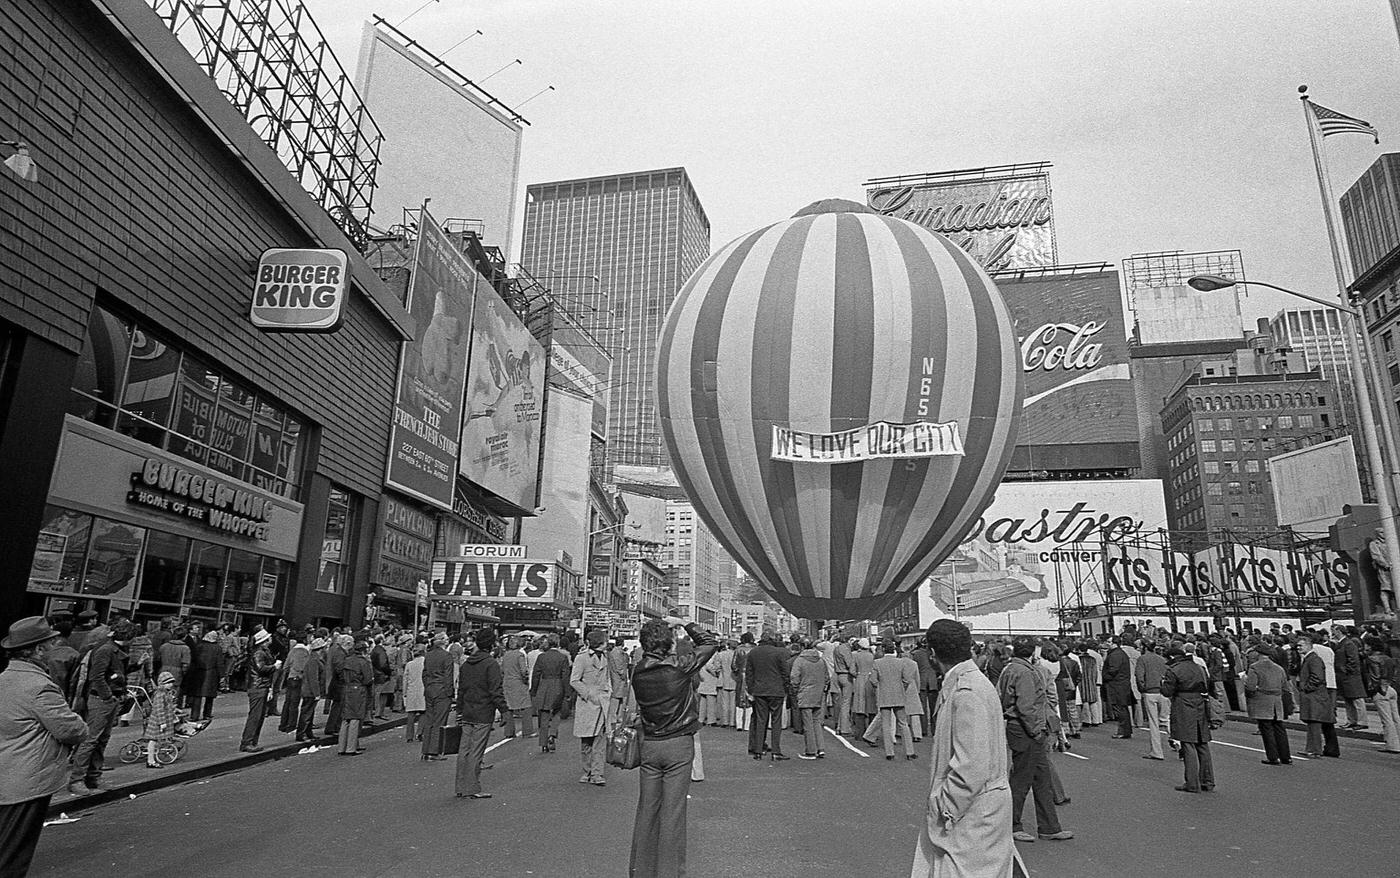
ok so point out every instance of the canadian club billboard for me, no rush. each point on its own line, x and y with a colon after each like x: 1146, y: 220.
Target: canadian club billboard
x: 1002, y: 216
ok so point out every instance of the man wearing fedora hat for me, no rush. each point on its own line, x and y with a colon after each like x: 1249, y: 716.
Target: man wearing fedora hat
x: 37, y: 730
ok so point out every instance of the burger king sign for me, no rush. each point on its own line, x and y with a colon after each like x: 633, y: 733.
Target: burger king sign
x: 300, y: 290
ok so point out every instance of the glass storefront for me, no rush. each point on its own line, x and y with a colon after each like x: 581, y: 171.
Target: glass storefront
x: 133, y: 380
x: 152, y: 573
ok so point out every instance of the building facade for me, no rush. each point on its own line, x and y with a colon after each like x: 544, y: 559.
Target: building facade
x: 161, y: 455
x: 694, y: 560
x: 1371, y: 220
x: 1220, y: 432
x: 616, y: 249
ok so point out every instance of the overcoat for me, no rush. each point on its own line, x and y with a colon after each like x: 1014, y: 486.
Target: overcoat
x: 37, y: 728
x: 966, y: 830
x: 355, y: 675
x: 1263, y: 689
x: 913, y: 704
x: 1316, y: 702
x: 1349, y: 680
x: 1118, y: 677
x: 413, y: 698
x: 1089, y: 677
x: 313, y: 678
x: 207, y: 669
x: 1186, y: 684
x: 862, y: 668
x: 592, y: 681
x: 809, y: 678
x: 551, y: 679
x: 515, y: 680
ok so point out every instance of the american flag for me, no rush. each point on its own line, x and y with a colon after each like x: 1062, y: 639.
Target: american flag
x: 1331, y: 122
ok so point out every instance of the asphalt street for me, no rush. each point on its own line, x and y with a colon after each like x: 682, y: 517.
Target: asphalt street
x: 385, y: 813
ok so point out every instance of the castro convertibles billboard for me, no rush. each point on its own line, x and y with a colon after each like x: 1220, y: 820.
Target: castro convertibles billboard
x: 1002, y: 216
x: 1079, y: 411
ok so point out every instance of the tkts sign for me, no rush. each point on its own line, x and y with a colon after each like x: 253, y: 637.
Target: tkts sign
x: 1002, y: 216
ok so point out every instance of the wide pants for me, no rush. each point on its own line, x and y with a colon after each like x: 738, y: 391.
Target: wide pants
x: 1158, y: 708
x: 591, y: 752
x: 290, y: 705
x: 726, y: 707
x: 1030, y: 773
x: 474, y: 739
x: 1322, y: 738
x: 20, y: 825
x: 257, y: 711
x: 434, y: 718
x: 525, y: 725
x: 1275, y: 740
x: 843, y: 704
x: 1124, y: 715
x: 549, y: 727
x: 658, y: 835
x: 1386, y: 708
x: 92, y: 752
x: 811, y: 730
x: 767, y: 711
x: 1200, y: 771
x: 348, y: 741
x: 306, y: 719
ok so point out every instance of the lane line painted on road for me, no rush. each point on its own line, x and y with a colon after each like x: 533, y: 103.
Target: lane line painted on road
x: 1076, y: 755
x: 499, y: 743
x: 1255, y: 749
x: 848, y: 744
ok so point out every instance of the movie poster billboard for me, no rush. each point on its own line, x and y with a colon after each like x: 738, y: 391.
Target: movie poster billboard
x: 1002, y: 216
x: 505, y: 404
x: 432, y: 372
x: 1039, y: 547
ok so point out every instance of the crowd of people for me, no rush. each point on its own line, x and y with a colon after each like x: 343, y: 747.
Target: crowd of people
x: 330, y: 683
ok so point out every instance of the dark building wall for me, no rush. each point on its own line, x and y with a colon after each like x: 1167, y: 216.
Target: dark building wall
x: 138, y: 201
x: 1157, y: 370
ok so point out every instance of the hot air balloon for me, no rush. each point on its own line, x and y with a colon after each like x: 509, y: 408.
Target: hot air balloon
x: 840, y: 394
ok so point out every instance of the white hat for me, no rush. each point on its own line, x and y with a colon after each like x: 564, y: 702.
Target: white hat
x: 261, y: 637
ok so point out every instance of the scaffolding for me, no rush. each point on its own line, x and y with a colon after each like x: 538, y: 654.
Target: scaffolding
x: 276, y: 68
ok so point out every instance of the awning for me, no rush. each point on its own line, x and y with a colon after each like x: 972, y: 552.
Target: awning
x: 393, y: 595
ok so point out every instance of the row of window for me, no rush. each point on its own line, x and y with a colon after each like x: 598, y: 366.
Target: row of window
x: 1246, y: 401
x: 139, y: 383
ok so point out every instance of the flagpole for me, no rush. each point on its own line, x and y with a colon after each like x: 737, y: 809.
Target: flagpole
x: 1381, y: 478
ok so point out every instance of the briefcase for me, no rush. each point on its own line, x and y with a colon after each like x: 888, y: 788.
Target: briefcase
x: 449, y: 740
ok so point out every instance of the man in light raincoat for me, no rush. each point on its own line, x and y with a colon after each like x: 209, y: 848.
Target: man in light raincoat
x: 967, y: 825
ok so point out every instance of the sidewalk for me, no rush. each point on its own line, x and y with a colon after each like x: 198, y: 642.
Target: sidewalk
x: 212, y: 751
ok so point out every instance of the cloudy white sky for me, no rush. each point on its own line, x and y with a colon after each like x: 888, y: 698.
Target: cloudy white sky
x: 1171, y: 124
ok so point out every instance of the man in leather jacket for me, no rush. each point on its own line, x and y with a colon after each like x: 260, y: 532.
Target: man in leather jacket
x: 665, y: 685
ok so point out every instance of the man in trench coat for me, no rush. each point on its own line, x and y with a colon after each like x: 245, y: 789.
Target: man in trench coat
x: 967, y: 825
x: 592, y: 681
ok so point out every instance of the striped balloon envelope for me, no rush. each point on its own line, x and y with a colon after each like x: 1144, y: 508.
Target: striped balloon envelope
x: 817, y: 380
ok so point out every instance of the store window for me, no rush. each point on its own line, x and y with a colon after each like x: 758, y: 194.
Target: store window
x: 206, y: 576
x: 113, y: 557
x: 241, y: 585
x: 61, y: 551
x: 163, y: 571
x: 136, y: 381
x: 334, y: 551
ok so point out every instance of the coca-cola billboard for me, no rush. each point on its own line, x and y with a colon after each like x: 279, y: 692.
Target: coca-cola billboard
x: 1002, y: 216
x: 1074, y: 353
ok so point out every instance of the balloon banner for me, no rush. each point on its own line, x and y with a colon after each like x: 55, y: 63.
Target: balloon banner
x: 830, y: 323
x: 920, y: 439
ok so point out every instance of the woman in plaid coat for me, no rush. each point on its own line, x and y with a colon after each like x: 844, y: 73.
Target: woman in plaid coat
x: 160, y: 722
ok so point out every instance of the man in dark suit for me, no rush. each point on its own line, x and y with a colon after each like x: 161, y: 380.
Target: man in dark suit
x: 1118, y: 684
x: 437, y: 693
x: 768, y: 670
x: 928, y: 681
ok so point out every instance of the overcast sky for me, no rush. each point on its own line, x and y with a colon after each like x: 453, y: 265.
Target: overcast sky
x: 1171, y: 124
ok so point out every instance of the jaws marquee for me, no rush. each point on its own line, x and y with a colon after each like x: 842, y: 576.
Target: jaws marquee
x: 300, y: 290
x: 520, y: 581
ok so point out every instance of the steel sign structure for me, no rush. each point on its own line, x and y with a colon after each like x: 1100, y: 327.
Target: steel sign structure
x: 833, y: 320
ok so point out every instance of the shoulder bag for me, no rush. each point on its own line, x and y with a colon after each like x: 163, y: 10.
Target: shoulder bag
x: 625, y: 740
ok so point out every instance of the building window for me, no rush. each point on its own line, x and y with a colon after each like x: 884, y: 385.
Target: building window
x: 1214, y: 489
x: 1251, y: 466
x: 131, y: 379
x: 1211, y: 468
x: 1226, y: 424
x: 1305, y: 420
x: 1227, y: 445
x: 335, y: 553
x: 1208, y: 446
x: 1285, y: 422
x: 1207, y: 425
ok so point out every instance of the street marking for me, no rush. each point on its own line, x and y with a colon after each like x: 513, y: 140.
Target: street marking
x: 1076, y: 755
x: 848, y: 744
x: 1253, y: 749
x: 499, y: 743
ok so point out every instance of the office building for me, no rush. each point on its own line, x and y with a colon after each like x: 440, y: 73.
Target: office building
x: 694, y: 562
x: 616, y: 250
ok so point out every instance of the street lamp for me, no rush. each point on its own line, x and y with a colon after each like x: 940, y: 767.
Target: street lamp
x: 1385, y: 480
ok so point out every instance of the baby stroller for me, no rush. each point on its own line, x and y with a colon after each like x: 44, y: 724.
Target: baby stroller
x: 167, y: 752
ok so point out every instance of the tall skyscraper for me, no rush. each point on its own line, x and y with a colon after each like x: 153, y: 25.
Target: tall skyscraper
x: 1321, y: 336
x: 615, y: 250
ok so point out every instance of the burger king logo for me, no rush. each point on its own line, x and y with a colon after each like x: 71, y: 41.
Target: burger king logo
x: 299, y: 290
